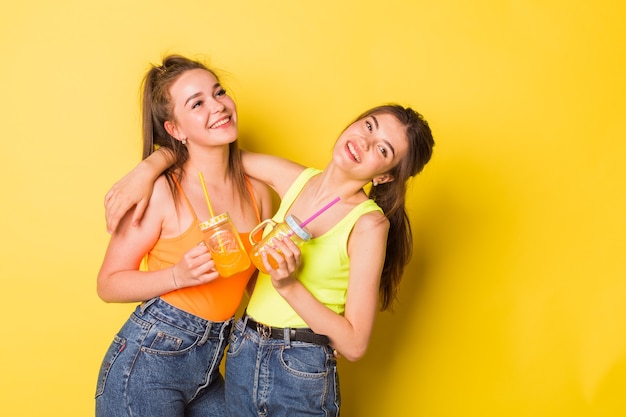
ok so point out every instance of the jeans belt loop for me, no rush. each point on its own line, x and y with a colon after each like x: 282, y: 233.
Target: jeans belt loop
x: 144, y: 306
x: 287, y: 334
x: 207, y: 333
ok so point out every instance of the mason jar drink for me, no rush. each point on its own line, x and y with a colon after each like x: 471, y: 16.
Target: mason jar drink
x: 225, y: 245
x: 289, y: 228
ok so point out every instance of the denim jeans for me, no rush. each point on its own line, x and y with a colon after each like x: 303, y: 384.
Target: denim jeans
x: 163, y: 362
x: 276, y: 377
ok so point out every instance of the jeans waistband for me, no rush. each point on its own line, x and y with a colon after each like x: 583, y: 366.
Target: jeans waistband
x: 174, y: 316
x: 296, y: 334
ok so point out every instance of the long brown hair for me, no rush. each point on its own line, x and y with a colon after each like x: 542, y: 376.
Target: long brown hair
x: 391, y: 196
x: 157, y: 108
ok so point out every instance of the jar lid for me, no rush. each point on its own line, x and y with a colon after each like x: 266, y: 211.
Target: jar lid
x: 294, y: 223
x: 214, y: 221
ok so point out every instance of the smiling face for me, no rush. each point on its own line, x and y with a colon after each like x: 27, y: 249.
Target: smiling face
x: 371, y: 147
x: 203, y: 112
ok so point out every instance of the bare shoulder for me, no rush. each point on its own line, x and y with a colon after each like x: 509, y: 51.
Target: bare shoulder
x: 162, y: 209
x: 370, y: 223
x: 161, y: 201
x: 161, y: 190
x: 258, y: 186
x: 263, y: 196
x: 368, y: 239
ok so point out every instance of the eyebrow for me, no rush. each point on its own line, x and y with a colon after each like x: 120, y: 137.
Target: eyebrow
x: 393, y: 151
x: 192, y: 97
x: 375, y: 121
x: 215, y: 86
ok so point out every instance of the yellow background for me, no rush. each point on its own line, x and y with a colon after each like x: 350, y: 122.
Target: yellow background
x: 514, y: 302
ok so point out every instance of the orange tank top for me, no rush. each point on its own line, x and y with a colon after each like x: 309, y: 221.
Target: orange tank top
x: 217, y: 300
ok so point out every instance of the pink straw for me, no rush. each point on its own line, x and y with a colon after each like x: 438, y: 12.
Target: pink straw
x: 320, y: 211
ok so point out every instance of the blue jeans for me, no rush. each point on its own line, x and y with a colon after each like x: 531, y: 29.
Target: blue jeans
x: 163, y: 362
x: 276, y: 377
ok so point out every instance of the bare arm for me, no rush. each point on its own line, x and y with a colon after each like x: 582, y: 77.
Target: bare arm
x: 135, y: 189
x: 120, y: 279
x: 349, y: 334
x: 279, y: 173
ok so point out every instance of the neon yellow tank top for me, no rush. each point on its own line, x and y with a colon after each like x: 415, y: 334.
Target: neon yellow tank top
x: 325, y: 266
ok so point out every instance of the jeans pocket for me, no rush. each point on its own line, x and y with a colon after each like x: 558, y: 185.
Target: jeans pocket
x: 305, y: 361
x: 164, y: 339
x: 116, y: 347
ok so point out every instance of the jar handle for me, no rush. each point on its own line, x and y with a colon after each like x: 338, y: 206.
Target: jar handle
x: 258, y: 227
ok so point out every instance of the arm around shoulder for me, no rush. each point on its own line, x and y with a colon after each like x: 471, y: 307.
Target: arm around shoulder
x: 279, y: 173
x: 135, y: 189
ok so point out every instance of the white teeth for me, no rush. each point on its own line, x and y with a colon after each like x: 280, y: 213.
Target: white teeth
x: 353, y: 152
x: 220, y: 123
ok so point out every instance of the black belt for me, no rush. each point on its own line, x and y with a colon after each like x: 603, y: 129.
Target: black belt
x: 296, y: 335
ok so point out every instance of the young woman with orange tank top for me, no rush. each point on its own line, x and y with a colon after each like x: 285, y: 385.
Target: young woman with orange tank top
x: 165, y: 359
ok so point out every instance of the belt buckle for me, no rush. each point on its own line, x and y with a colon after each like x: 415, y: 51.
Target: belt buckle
x: 264, y: 331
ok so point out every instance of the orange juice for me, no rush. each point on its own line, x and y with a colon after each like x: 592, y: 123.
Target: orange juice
x: 257, y: 260
x: 229, y: 262
x: 289, y: 228
x: 224, y: 243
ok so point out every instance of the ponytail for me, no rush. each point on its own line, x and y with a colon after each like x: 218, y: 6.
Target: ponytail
x: 391, y: 196
x: 399, y: 239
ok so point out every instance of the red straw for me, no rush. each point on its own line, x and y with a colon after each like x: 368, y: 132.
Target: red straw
x: 320, y: 211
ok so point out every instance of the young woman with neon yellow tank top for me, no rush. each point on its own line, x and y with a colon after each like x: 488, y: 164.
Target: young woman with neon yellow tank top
x: 165, y: 359
x: 321, y: 300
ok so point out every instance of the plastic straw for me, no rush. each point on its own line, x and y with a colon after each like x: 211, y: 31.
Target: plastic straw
x: 320, y: 211
x: 206, y: 194
x: 208, y: 203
